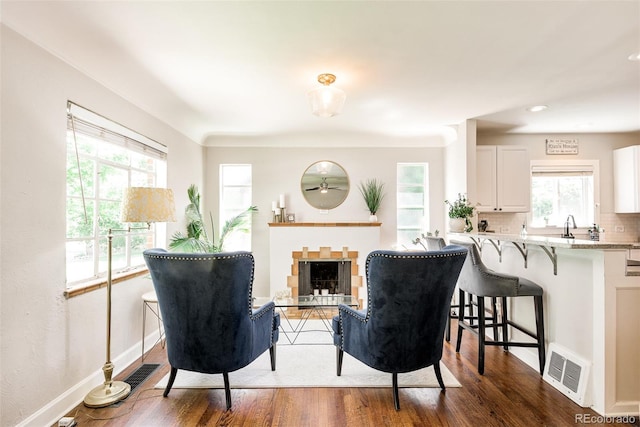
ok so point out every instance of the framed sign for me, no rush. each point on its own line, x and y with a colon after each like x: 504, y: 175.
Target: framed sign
x: 562, y: 145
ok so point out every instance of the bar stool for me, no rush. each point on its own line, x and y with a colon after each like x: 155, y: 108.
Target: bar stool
x: 436, y: 244
x: 150, y: 301
x: 476, y: 279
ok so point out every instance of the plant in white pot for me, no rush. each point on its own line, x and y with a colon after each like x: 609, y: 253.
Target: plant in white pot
x: 459, y: 213
x: 372, y: 191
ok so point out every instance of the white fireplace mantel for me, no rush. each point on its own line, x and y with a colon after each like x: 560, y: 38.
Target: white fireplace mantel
x: 284, y: 238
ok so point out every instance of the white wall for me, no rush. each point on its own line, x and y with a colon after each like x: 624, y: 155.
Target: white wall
x: 53, y: 348
x: 278, y: 171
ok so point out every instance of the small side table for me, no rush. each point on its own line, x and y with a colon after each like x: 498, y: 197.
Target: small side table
x: 150, y: 301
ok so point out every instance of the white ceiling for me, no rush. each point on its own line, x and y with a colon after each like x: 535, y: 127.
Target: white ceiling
x: 220, y: 71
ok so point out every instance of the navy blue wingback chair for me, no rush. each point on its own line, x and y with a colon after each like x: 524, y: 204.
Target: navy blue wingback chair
x: 402, y: 328
x: 205, y: 302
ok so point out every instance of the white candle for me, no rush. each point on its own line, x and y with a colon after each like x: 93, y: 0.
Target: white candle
x: 273, y: 206
x: 282, y: 201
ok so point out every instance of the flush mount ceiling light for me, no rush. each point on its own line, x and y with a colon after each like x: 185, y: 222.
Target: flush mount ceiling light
x: 634, y: 56
x: 537, y: 108
x: 326, y: 101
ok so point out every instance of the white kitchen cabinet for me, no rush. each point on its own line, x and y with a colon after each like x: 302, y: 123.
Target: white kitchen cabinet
x: 503, y: 179
x: 626, y: 179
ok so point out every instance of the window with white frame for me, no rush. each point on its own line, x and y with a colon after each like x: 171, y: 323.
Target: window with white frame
x: 563, y: 188
x: 412, y: 215
x: 103, y: 159
x: 235, y: 198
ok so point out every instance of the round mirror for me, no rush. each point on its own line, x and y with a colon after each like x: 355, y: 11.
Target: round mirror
x: 325, y: 185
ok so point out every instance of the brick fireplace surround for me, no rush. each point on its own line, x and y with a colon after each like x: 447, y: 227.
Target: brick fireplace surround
x: 325, y: 239
x: 324, y: 253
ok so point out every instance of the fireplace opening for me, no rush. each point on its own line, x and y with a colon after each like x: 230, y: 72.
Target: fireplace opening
x: 332, y: 276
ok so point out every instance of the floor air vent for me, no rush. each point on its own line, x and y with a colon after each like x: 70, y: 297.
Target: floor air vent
x: 568, y: 373
x: 140, y: 375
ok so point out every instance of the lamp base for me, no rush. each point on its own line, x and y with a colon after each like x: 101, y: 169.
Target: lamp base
x: 105, y: 395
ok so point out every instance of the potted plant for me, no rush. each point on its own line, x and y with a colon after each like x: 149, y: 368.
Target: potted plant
x: 372, y: 192
x: 197, y: 239
x: 459, y: 213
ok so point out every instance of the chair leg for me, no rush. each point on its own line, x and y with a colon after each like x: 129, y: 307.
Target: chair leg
x: 460, y: 320
x: 272, y: 356
x: 481, y: 332
x: 227, y: 389
x: 396, y: 398
x: 339, y: 356
x: 172, y: 378
x: 540, y: 332
x: 505, y: 320
x: 494, y: 317
x: 436, y: 369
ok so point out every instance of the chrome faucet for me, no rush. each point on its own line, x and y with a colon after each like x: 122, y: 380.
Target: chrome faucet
x: 570, y: 220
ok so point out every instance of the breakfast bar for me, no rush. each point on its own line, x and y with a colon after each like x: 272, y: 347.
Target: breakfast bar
x: 591, y: 300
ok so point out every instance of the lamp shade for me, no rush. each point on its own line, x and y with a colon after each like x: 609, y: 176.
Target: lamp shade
x: 146, y: 204
x: 326, y: 101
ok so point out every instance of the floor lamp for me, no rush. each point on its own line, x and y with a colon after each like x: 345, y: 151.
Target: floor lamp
x: 140, y: 204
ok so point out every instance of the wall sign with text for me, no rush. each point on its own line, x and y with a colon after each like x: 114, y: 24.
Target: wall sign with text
x: 562, y: 145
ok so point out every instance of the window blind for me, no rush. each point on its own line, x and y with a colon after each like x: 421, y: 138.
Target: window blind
x: 94, y: 125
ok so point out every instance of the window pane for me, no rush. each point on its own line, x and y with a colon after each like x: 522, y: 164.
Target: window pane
x: 235, y: 194
x: 79, y: 260
x: 112, y: 182
x: 114, y: 154
x: 237, y: 175
x: 237, y: 198
x: 87, y: 170
x: 79, y: 224
x: 557, y: 197
x: 412, y: 202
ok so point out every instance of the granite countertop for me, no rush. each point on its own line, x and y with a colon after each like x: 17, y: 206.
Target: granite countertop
x: 555, y: 242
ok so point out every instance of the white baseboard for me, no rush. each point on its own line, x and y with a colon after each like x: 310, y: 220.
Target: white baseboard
x: 60, y: 406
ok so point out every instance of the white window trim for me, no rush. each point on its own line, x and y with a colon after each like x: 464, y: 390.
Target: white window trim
x: 569, y: 165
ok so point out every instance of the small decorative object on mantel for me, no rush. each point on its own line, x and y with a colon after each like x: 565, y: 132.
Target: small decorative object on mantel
x: 459, y: 213
x: 562, y: 145
x: 278, y: 209
x: 372, y: 192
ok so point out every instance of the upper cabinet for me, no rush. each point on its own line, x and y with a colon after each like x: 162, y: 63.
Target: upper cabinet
x: 503, y: 179
x: 626, y: 179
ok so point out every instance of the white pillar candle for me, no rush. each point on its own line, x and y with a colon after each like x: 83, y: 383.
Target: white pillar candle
x: 282, y: 201
x: 273, y: 206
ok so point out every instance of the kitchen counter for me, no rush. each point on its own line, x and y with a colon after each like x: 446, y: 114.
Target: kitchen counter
x: 591, y: 301
x: 556, y: 242
x: 548, y: 245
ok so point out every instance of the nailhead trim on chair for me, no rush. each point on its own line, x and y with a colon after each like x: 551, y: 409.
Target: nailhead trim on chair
x: 209, y: 257
x: 447, y: 254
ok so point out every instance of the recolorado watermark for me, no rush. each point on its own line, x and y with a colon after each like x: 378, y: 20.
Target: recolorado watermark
x: 601, y: 419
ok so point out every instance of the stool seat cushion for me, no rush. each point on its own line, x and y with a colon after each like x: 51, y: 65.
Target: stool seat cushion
x: 481, y: 281
x: 528, y: 288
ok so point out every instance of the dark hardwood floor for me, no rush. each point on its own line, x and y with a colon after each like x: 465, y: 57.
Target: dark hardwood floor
x: 509, y: 394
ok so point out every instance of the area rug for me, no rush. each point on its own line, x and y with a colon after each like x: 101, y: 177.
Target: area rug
x: 307, y: 365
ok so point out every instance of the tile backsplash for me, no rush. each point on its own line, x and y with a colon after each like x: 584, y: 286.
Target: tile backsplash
x: 617, y: 227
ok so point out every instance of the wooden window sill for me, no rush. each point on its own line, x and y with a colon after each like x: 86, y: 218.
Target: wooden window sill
x: 83, y: 288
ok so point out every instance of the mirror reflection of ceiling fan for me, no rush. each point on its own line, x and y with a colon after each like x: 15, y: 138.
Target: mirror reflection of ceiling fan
x: 323, y: 187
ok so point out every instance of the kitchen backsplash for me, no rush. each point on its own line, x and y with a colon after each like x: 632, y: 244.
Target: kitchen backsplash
x: 617, y: 227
